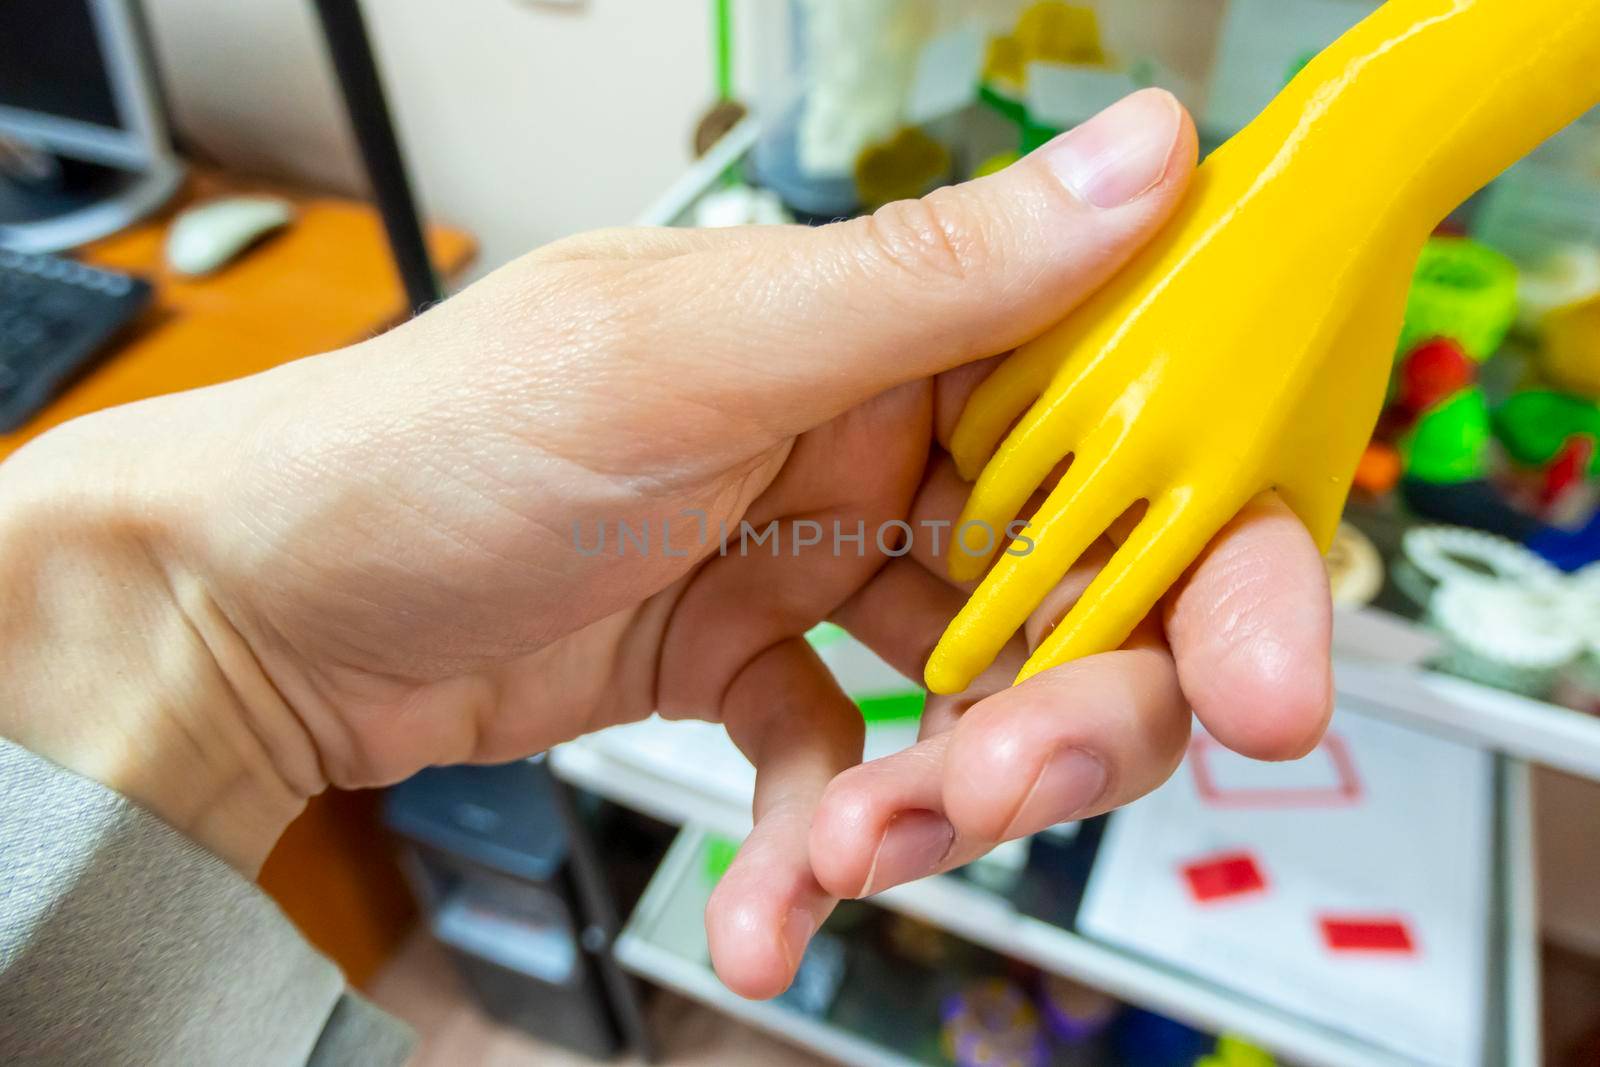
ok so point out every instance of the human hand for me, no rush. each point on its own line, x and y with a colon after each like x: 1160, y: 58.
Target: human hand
x: 365, y: 563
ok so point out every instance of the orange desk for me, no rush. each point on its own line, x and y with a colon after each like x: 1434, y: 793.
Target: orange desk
x: 321, y: 284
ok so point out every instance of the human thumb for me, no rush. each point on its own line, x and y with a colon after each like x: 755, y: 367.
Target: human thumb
x: 821, y: 319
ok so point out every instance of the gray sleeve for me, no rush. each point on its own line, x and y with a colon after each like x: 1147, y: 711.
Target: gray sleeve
x: 122, y: 941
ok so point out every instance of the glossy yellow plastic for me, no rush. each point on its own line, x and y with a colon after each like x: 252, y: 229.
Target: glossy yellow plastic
x: 1249, y: 346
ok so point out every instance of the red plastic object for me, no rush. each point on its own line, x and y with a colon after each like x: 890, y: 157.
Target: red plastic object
x: 1363, y: 933
x: 1567, y: 469
x: 1223, y: 877
x: 1431, y: 372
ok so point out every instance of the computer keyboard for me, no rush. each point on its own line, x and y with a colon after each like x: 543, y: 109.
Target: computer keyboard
x: 55, y: 317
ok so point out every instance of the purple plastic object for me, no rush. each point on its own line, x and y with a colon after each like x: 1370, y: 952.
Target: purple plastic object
x: 993, y: 1023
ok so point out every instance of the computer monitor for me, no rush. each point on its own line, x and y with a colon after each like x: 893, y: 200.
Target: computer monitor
x: 77, y: 82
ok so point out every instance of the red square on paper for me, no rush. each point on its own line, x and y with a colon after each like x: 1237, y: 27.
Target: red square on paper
x: 1224, y: 877
x: 1386, y: 934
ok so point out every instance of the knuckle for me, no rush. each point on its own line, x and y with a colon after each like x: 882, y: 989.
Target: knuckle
x: 931, y: 239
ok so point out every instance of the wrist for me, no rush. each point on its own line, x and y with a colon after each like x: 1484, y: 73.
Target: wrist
x: 116, y: 664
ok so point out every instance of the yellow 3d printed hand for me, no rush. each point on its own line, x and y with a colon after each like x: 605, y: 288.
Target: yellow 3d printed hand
x: 1249, y: 346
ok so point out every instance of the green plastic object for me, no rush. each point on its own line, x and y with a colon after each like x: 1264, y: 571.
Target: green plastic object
x: 885, y: 705
x: 1030, y: 134
x: 1462, y: 290
x: 892, y: 707
x: 1005, y: 105
x: 1535, y: 425
x: 1300, y: 63
x: 718, y: 857
x: 1035, y: 135
x: 1450, y: 443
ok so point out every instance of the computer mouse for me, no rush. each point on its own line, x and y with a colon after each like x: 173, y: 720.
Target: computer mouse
x: 207, y: 237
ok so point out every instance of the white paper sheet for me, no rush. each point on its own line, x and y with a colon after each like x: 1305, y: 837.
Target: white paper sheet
x: 1382, y: 825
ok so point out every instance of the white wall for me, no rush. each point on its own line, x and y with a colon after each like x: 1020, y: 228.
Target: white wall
x: 522, y: 121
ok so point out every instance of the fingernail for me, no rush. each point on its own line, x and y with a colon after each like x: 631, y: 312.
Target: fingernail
x: 1120, y: 154
x: 913, y: 845
x: 798, y: 926
x: 1070, y: 782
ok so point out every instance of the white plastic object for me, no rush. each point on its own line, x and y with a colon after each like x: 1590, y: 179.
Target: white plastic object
x: 206, y: 238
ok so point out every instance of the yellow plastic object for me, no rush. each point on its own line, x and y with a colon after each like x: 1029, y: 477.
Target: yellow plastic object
x: 995, y: 164
x: 1571, y: 356
x: 1048, y: 32
x: 1233, y: 1051
x: 1249, y: 346
x: 1056, y: 32
x: 905, y: 166
x: 1004, y: 65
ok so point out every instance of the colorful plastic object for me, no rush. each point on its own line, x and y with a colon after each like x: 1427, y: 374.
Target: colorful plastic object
x: 1432, y: 372
x: 1249, y: 346
x: 992, y: 1023
x: 905, y: 166
x: 1046, y: 32
x: 718, y: 857
x: 1378, y: 470
x: 1571, y: 357
x: 1567, y: 472
x: 1534, y: 426
x: 995, y: 164
x: 1464, y: 291
x: 1054, y: 32
x: 1451, y: 444
x: 1075, y: 1014
x: 1235, y: 1051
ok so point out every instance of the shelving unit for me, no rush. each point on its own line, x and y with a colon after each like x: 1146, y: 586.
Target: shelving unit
x: 636, y: 766
x: 665, y: 941
x: 1489, y: 718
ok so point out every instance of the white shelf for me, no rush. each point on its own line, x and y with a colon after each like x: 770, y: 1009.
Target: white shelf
x: 631, y: 766
x: 665, y: 942
x: 988, y: 920
x: 1479, y: 715
x: 671, y: 206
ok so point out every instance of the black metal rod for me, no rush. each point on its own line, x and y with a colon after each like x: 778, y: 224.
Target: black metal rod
x: 600, y: 913
x: 357, y: 70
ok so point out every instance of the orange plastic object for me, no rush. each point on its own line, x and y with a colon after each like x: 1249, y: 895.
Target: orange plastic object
x: 1378, y: 471
x: 1249, y: 346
